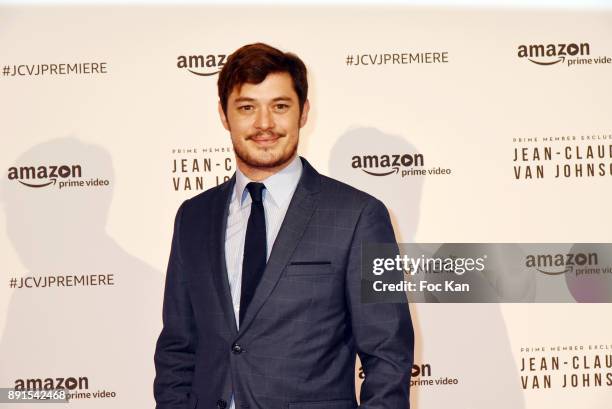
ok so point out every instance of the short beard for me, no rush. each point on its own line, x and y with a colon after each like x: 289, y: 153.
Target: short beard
x: 253, y: 162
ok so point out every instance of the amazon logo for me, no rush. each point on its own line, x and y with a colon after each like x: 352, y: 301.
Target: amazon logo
x: 202, y: 65
x: 38, y: 384
x: 551, y: 54
x: 384, y: 165
x: 422, y: 370
x: 556, y: 264
x: 42, y: 176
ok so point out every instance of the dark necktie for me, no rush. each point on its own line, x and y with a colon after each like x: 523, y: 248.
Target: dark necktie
x: 255, y: 248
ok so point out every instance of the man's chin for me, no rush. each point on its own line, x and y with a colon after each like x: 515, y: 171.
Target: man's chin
x: 266, y: 164
x: 266, y: 161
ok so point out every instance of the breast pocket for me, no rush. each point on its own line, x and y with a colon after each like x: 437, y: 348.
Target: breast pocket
x: 309, y: 268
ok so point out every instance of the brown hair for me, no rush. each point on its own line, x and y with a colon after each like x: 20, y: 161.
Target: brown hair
x: 253, y: 62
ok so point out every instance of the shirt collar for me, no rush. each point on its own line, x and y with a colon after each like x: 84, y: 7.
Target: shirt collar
x: 279, y: 187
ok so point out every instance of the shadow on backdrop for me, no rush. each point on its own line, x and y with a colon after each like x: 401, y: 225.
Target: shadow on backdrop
x: 465, y: 341
x: 106, y: 333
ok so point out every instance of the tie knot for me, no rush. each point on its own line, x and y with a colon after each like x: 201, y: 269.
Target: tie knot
x: 255, y: 190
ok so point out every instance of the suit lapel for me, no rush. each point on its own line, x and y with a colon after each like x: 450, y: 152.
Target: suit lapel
x: 296, y: 220
x: 220, y: 206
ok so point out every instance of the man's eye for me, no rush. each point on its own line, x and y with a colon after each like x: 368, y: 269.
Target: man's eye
x: 281, y: 107
x: 246, y: 108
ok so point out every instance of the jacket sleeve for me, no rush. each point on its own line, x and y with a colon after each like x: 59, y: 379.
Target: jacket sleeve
x: 175, y: 349
x: 382, y: 331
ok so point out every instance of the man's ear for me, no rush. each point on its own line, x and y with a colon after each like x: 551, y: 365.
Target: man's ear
x: 304, y: 116
x: 223, y: 117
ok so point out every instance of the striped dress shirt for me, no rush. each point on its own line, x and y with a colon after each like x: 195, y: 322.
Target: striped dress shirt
x: 276, y: 197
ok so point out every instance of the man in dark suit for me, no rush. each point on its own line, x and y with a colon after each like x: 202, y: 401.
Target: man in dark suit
x: 262, y: 305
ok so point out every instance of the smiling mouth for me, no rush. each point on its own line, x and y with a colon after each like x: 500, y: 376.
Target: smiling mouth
x: 264, y: 139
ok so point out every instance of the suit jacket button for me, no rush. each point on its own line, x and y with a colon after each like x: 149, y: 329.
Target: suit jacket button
x: 237, y: 349
x: 221, y: 404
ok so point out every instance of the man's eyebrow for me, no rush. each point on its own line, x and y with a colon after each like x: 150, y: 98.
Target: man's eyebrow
x: 249, y: 99
x: 243, y: 99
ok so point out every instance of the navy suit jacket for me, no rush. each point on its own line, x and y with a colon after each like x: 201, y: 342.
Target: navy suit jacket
x: 297, y: 343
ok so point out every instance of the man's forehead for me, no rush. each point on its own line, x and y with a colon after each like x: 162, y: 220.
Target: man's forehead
x: 275, y: 86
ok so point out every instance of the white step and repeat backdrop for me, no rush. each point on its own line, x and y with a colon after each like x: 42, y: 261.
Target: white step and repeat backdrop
x: 109, y: 121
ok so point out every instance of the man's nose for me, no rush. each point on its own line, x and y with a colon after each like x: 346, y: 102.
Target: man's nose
x: 264, y: 120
